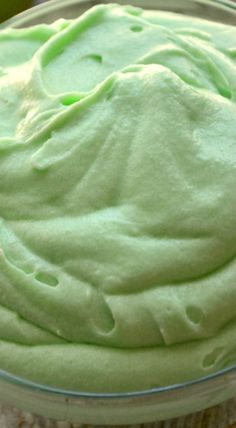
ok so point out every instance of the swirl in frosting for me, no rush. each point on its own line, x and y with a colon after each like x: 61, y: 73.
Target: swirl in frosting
x: 117, y: 200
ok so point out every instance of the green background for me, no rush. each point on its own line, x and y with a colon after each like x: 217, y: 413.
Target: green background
x: 9, y: 8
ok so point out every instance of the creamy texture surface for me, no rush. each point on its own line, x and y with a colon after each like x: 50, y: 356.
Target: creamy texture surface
x: 117, y: 200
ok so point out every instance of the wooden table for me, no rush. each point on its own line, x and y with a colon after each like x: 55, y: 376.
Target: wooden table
x: 223, y: 416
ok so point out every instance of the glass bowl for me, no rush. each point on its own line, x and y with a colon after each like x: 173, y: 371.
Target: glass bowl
x: 140, y: 406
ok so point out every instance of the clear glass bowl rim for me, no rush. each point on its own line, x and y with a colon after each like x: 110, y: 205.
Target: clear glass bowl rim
x: 18, y: 381
x: 51, y: 4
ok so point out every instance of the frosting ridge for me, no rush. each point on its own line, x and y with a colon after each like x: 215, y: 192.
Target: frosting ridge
x: 117, y: 200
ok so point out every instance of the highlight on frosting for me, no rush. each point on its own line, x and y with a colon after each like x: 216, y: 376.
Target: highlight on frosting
x: 117, y: 200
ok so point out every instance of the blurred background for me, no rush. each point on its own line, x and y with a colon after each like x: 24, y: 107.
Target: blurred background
x: 10, y: 8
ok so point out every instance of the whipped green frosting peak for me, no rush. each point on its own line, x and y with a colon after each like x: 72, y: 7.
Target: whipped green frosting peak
x: 117, y: 200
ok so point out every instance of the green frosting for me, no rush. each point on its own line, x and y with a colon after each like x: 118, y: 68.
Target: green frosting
x: 117, y: 200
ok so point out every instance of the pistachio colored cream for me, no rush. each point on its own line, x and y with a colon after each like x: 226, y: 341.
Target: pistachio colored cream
x: 117, y: 200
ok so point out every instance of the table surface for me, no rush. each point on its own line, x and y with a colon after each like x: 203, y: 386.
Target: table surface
x: 222, y: 416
